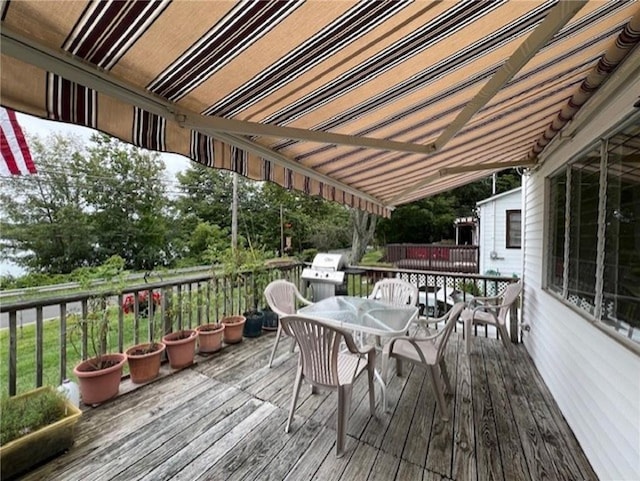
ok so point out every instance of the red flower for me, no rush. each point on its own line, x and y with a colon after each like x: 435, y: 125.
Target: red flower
x: 128, y: 304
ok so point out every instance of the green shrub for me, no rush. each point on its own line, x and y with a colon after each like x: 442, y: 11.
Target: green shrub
x: 24, y: 414
x: 7, y: 281
x: 470, y: 287
x: 307, y: 255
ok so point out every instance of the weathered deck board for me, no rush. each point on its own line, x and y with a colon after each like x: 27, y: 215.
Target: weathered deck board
x: 567, y: 457
x: 395, y: 438
x: 384, y: 467
x: 415, y: 450
x: 440, y: 449
x: 488, y: 460
x: 224, y: 419
x: 464, y: 447
x: 511, y: 453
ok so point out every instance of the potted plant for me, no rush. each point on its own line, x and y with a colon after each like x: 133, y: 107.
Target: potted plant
x: 34, y: 427
x: 98, y: 376
x: 144, y: 359
x: 181, y: 344
x: 253, y: 324
x: 233, y: 327
x: 270, y: 320
x: 210, y: 337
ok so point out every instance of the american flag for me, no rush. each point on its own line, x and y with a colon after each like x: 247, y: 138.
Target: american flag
x: 16, y: 158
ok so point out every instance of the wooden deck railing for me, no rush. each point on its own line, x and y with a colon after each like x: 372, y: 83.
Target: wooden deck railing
x: 431, y: 257
x: 36, y: 347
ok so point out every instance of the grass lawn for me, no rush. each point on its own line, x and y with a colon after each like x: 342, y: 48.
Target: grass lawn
x: 373, y: 258
x: 26, y: 338
x: 26, y: 352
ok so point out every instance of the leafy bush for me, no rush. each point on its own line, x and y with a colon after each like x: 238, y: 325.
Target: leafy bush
x: 24, y: 414
x: 32, y: 280
x: 307, y: 255
x: 470, y: 287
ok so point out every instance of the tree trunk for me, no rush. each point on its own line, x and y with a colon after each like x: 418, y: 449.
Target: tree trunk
x: 364, y: 226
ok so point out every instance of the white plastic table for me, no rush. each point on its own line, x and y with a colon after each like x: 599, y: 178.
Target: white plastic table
x: 365, y: 316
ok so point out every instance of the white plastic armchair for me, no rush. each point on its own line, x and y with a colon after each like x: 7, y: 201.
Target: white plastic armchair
x: 283, y: 297
x: 324, y: 364
x: 427, y: 350
x: 490, y: 311
x: 396, y: 292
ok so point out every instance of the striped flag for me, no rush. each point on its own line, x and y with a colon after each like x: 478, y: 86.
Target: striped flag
x: 16, y: 158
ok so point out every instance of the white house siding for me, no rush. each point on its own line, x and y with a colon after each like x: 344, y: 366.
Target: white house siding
x: 493, y: 234
x: 594, y: 378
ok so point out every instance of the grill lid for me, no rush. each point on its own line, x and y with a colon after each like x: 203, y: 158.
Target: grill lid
x: 328, y: 262
x: 326, y: 268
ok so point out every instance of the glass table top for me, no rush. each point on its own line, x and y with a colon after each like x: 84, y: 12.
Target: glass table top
x: 366, y: 315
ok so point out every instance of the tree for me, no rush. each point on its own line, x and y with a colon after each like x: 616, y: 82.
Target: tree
x: 127, y: 196
x: 207, y: 243
x: 310, y: 221
x: 205, y: 196
x: 431, y: 220
x: 364, y: 227
x: 46, y: 226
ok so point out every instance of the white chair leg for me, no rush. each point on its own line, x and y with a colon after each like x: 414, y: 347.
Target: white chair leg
x: 275, y: 345
x: 504, y: 335
x: 437, y: 386
x: 344, y: 406
x: 294, y: 399
x: 372, y: 389
x: 467, y: 334
x: 445, y: 376
x: 385, y: 367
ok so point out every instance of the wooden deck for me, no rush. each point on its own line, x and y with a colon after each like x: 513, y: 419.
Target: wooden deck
x: 223, y: 419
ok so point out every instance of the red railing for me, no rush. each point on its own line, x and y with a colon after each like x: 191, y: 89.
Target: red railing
x: 431, y: 257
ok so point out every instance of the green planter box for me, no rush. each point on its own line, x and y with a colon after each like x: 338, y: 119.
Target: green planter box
x: 25, y: 453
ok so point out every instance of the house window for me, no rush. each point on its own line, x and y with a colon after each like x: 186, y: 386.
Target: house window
x: 593, y: 251
x: 514, y: 229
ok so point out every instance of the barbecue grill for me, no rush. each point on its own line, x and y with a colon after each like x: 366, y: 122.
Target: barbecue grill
x: 326, y: 276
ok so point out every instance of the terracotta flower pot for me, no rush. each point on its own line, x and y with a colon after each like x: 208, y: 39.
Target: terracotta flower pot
x: 98, y: 386
x: 233, y: 326
x: 143, y: 365
x: 181, y: 347
x: 210, y: 337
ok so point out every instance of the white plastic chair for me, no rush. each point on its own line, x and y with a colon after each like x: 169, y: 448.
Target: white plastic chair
x: 396, y: 292
x: 428, y: 351
x: 323, y: 364
x: 491, y: 311
x: 282, y: 297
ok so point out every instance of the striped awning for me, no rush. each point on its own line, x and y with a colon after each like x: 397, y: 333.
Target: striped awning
x: 369, y: 103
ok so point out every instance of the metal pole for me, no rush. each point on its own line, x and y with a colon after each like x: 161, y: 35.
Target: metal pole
x: 281, y: 232
x: 234, y: 214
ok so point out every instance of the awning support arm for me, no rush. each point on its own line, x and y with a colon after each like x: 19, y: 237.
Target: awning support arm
x: 557, y: 18
x: 86, y: 74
